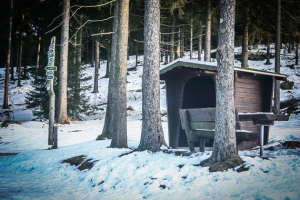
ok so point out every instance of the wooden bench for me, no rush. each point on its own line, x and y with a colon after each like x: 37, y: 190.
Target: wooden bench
x: 199, y: 126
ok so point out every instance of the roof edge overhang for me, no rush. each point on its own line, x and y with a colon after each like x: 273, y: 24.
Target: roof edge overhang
x: 212, y: 66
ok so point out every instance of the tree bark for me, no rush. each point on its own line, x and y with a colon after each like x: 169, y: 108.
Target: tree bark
x: 119, y: 134
x: 38, y: 54
x: 152, y: 137
x: 225, y: 139
x: 96, y: 75
x: 5, y: 99
x: 191, y: 38
x: 200, y: 42
x: 268, y: 62
x: 20, y: 60
x: 109, y: 122
x: 208, y: 31
x: 244, y: 63
x: 63, y: 70
x: 181, y: 43
x: 277, y: 59
x: 177, y: 53
x: 297, y: 53
x: 172, y: 39
x: 167, y: 48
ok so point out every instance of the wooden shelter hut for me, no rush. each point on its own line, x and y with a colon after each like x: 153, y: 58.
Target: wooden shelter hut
x: 192, y: 84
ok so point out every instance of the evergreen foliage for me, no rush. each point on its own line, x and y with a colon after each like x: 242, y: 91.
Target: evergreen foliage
x: 78, y: 102
x: 38, y: 98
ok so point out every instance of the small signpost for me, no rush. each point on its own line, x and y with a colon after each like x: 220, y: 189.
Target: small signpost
x: 51, y: 80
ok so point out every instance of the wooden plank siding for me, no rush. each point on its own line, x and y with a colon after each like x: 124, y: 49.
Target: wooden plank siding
x: 248, y: 98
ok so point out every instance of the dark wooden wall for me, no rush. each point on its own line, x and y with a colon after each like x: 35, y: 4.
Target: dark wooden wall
x: 253, y: 93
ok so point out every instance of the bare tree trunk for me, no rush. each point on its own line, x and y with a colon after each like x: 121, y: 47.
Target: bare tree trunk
x: 167, y: 48
x: 5, y: 99
x: 38, y: 54
x: 200, y: 42
x: 20, y: 52
x: 245, y: 42
x: 152, y: 137
x: 277, y: 59
x: 96, y: 75
x: 93, y: 53
x: 77, y: 56
x: 63, y: 70
x: 297, y: 53
x: 109, y: 121
x: 107, y: 65
x: 119, y: 137
x: 136, y: 56
x: 268, y: 62
x: 181, y: 43
x: 177, y: 53
x: 172, y: 39
x: 225, y: 139
x: 20, y: 60
x: 208, y: 31
x: 191, y: 39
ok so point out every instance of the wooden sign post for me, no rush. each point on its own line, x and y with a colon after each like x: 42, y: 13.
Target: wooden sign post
x: 50, y: 68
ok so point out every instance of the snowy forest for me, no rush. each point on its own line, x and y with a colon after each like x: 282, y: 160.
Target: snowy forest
x: 90, y: 73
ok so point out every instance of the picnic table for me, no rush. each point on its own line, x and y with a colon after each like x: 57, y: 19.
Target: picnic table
x: 200, y: 123
x: 262, y: 119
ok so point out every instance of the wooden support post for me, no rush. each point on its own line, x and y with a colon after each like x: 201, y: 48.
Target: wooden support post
x: 261, y: 140
x: 202, y: 145
x: 50, y: 67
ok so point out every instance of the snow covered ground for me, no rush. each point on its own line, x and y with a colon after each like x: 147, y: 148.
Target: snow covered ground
x: 38, y: 173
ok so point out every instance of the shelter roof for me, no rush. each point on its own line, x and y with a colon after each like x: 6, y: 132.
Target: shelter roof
x: 212, y: 66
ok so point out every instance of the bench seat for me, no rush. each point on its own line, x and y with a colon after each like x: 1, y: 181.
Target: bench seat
x: 199, y: 126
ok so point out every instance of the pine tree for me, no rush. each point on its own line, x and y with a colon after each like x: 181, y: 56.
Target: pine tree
x: 119, y: 134
x: 62, y: 114
x: 152, y: 137
x: 224, y: 147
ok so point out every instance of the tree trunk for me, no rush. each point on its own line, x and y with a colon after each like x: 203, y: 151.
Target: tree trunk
x: 191, y: 39
x: 63, y: 70
x: 177, y: 53
x: 167, y: 48
x: 297, y: 53
x: 268, y: 62
x: 38, y: 54
x: 136, y: 56
x: 208, y: 31
x: 20, y: 52
x: 244, y: 63
x: 107, y: 65
x: 77, y: 98
x: 119, y: 137
x: 109, y: 121
x: 225, y: 139
x: 181, y: 43
x: 96, y: 75
x: 93, y: 53
x: 277, y: 59
x: 20, y: 60
x: 5, y: 99
x: 172, y: 39
x: 161, y: 50
x: 200, y: 42
x: 152, y: 137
